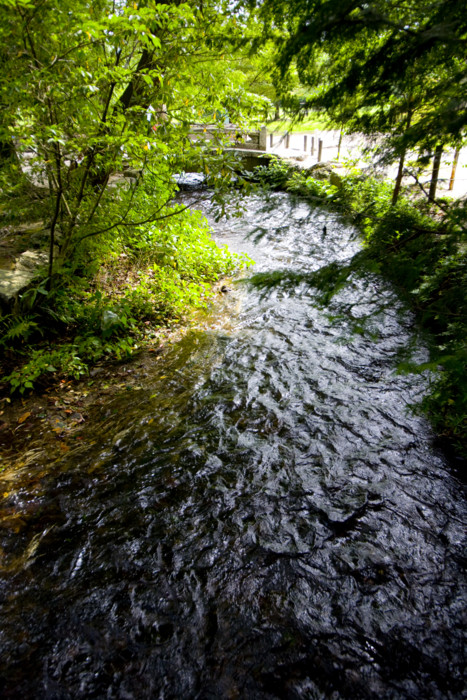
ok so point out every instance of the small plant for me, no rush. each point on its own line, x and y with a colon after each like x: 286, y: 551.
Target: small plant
x: 16, y: 330
x: 25, y: 377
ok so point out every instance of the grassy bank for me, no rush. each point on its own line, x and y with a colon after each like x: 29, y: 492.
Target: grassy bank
x: 421, y: 248
x: 313, y: 122
x: 119, y: 297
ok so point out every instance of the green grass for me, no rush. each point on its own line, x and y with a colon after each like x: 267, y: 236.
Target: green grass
x: 315, y: 122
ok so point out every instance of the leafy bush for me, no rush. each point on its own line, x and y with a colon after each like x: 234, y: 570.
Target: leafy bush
x: 310, y: 187
x: 165, y: 271
x: 274, y: 176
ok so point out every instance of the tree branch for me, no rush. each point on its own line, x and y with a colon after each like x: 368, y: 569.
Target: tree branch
x: 153, y: 217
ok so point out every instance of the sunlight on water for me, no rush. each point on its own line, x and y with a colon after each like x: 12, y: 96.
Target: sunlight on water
x: 268, y: 520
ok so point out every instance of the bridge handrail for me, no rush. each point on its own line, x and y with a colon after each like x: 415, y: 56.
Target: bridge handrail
x: 254, y: 139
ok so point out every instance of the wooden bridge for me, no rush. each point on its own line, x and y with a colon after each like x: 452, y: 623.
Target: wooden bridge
x: 250, y: 145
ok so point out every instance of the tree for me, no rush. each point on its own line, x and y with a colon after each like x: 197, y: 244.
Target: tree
x: 382, y: 66
x: 92, y: 89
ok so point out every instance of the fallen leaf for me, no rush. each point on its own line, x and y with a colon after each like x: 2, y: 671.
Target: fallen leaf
x: 13, y: 522
x: 24, y: 417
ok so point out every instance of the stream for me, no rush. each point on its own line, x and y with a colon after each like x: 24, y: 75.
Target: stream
x: 264, y: 519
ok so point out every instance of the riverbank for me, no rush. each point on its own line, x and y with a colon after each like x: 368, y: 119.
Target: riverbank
x: 420, y: 248
x: 70, y: 413
x: 114, y: 302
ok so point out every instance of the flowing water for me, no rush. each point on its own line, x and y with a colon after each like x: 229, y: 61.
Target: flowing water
x: 264, y: 519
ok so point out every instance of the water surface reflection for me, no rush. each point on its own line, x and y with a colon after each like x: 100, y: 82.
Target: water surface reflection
x: 266, y: 520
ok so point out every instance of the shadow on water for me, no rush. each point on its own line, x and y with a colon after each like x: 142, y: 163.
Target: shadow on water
x: 265, y: 519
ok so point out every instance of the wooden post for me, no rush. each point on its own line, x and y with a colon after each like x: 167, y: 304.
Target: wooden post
x: 454, y: 167
x: 339, y: 146
x: 320, y: 150
x: 271, y: 140
x: 435, y: 172
x: 312, y: 145
x: 305, y: 142
x: 287, y: 140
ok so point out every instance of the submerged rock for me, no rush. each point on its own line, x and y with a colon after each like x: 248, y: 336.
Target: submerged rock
x: 325, y: 171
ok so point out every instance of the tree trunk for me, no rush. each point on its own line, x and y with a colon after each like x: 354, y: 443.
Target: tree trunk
x: 435, y: 172
x: 400, y: 171
x: 52, y: 240
x: 454, y: 168
x: 133, y: 89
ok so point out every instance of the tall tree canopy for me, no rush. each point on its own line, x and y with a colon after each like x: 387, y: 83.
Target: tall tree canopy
x: 372, y: 64
x: 91, y: 88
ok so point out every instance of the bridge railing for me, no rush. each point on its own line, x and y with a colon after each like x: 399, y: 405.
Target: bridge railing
x: 255, y: 140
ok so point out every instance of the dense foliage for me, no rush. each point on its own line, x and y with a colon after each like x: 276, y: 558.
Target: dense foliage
x: 98, y: 101
x: 396, y: 70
